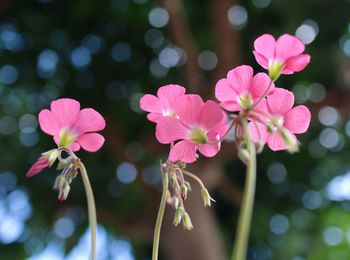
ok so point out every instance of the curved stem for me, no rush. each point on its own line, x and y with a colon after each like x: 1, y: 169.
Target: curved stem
x: 160, y: 216
x: 244, y: 221
x: 189, y: 174
x: 225, y: 134
x: 263, y: 95
x: 91, y: 208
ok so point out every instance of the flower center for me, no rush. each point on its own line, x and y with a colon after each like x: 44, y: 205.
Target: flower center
x: 198, y: 135
x: 66, y: 138
x: 275, y: 123
x: 245, y: 100
x: 275, y: 69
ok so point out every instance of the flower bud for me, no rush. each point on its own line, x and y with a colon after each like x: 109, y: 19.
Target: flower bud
x: 175, y: 202
x: 184, y: 190
x: 63, y: 194
x: 51, y: 156
x: 206, y: 197
x: 179, y: 212
x: 243, y: 155
x: 172, y: 180
x: 188, y: 185
x: 59, y: 182
x: 186, y: 221
x: 289, y: 140
x: 275, y: 69
x: 259, y: 146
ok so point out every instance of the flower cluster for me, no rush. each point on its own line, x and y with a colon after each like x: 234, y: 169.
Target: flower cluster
x: 71, y: 129
x: 191, y: 125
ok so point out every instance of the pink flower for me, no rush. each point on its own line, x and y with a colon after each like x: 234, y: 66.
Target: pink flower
x: 162, y: 105
x: 282, y: 122
x: 46, y: 160
x: 241, y: 89
x: 71, y: 127
x: 281, y: 56
x: 199, y: 126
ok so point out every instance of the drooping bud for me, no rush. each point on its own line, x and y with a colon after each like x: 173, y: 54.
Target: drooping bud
x: 188, y: 185
x: 207, y: 199
x: 59, y: 182
x: 175, y: 202
x: 184, y: 190
x: 63, y: 193
x: 186, y: 221
x: 243, y: 155
x: 179, y: 212
x: 51, y: 156
x: 275, y: 69
x: 172, y: 180
x: 289, y: 140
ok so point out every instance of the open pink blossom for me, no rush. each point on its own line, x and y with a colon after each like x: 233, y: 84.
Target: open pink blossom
x: 283, y: 122
x: 281, y: 56
x: 241, y: 89
x: 164, y: 104
x: 198, y: 126
x: 71, y: 127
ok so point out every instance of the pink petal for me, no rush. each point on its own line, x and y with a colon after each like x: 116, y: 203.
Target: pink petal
x: 170, y: 129
x: 280, y: 102
x: 298, y: 119
x: 224, y: 91
x: 260, y: 83
x: 184, y: 151
x: 66, y: 111
x: 276, y: 142
x: 211, y: 115
x: 48, y: 122
x: 150, y: 103
x: 265, y: 46
x: 231, y: 106
x: 240, y: 78
x: 154, y: 117
x: 89, y: 120
x: 297, y: 63
x: 288, y: 46
x: 171, y: 92
x: 91, y: 142
x: 74, y: 147
x: 38, y: 166
x: 258, y: 132
x: 210, y: 150
x: 188, y: 108
x: 261, y: 60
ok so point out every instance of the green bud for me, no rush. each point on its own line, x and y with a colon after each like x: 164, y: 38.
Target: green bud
x: 259, y: 146
x: 290, y: 140
x: 179, y: 212
x: 186, y: 222
x: 51, y: 156
x: 243, y: 155
x: 172, y: 180
x: 188, y: 185
x: 175, y: 202
x: 184, y: 190
x: 275, y: 69
x: 207, y: 199
x: 59, y: 182
x: 63, y: 194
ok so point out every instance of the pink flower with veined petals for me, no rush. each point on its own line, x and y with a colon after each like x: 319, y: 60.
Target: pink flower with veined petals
x: 281, y: 56
x: 71, y: 127
x: 199, y: 126
x: 284, y: 121
x: 162, y: 105
x: 241, y: 89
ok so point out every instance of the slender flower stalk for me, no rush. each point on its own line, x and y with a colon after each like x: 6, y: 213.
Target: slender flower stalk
x: 160, y: 215
x: 244, y: 221
x: 91, y: 208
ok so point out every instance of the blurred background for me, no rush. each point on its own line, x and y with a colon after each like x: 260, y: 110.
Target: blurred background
x: 107, y: 54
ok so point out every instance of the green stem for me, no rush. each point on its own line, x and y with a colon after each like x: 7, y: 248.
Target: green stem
x: 91, y: 208
x: 245, y: 216
x: 160, y: 216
